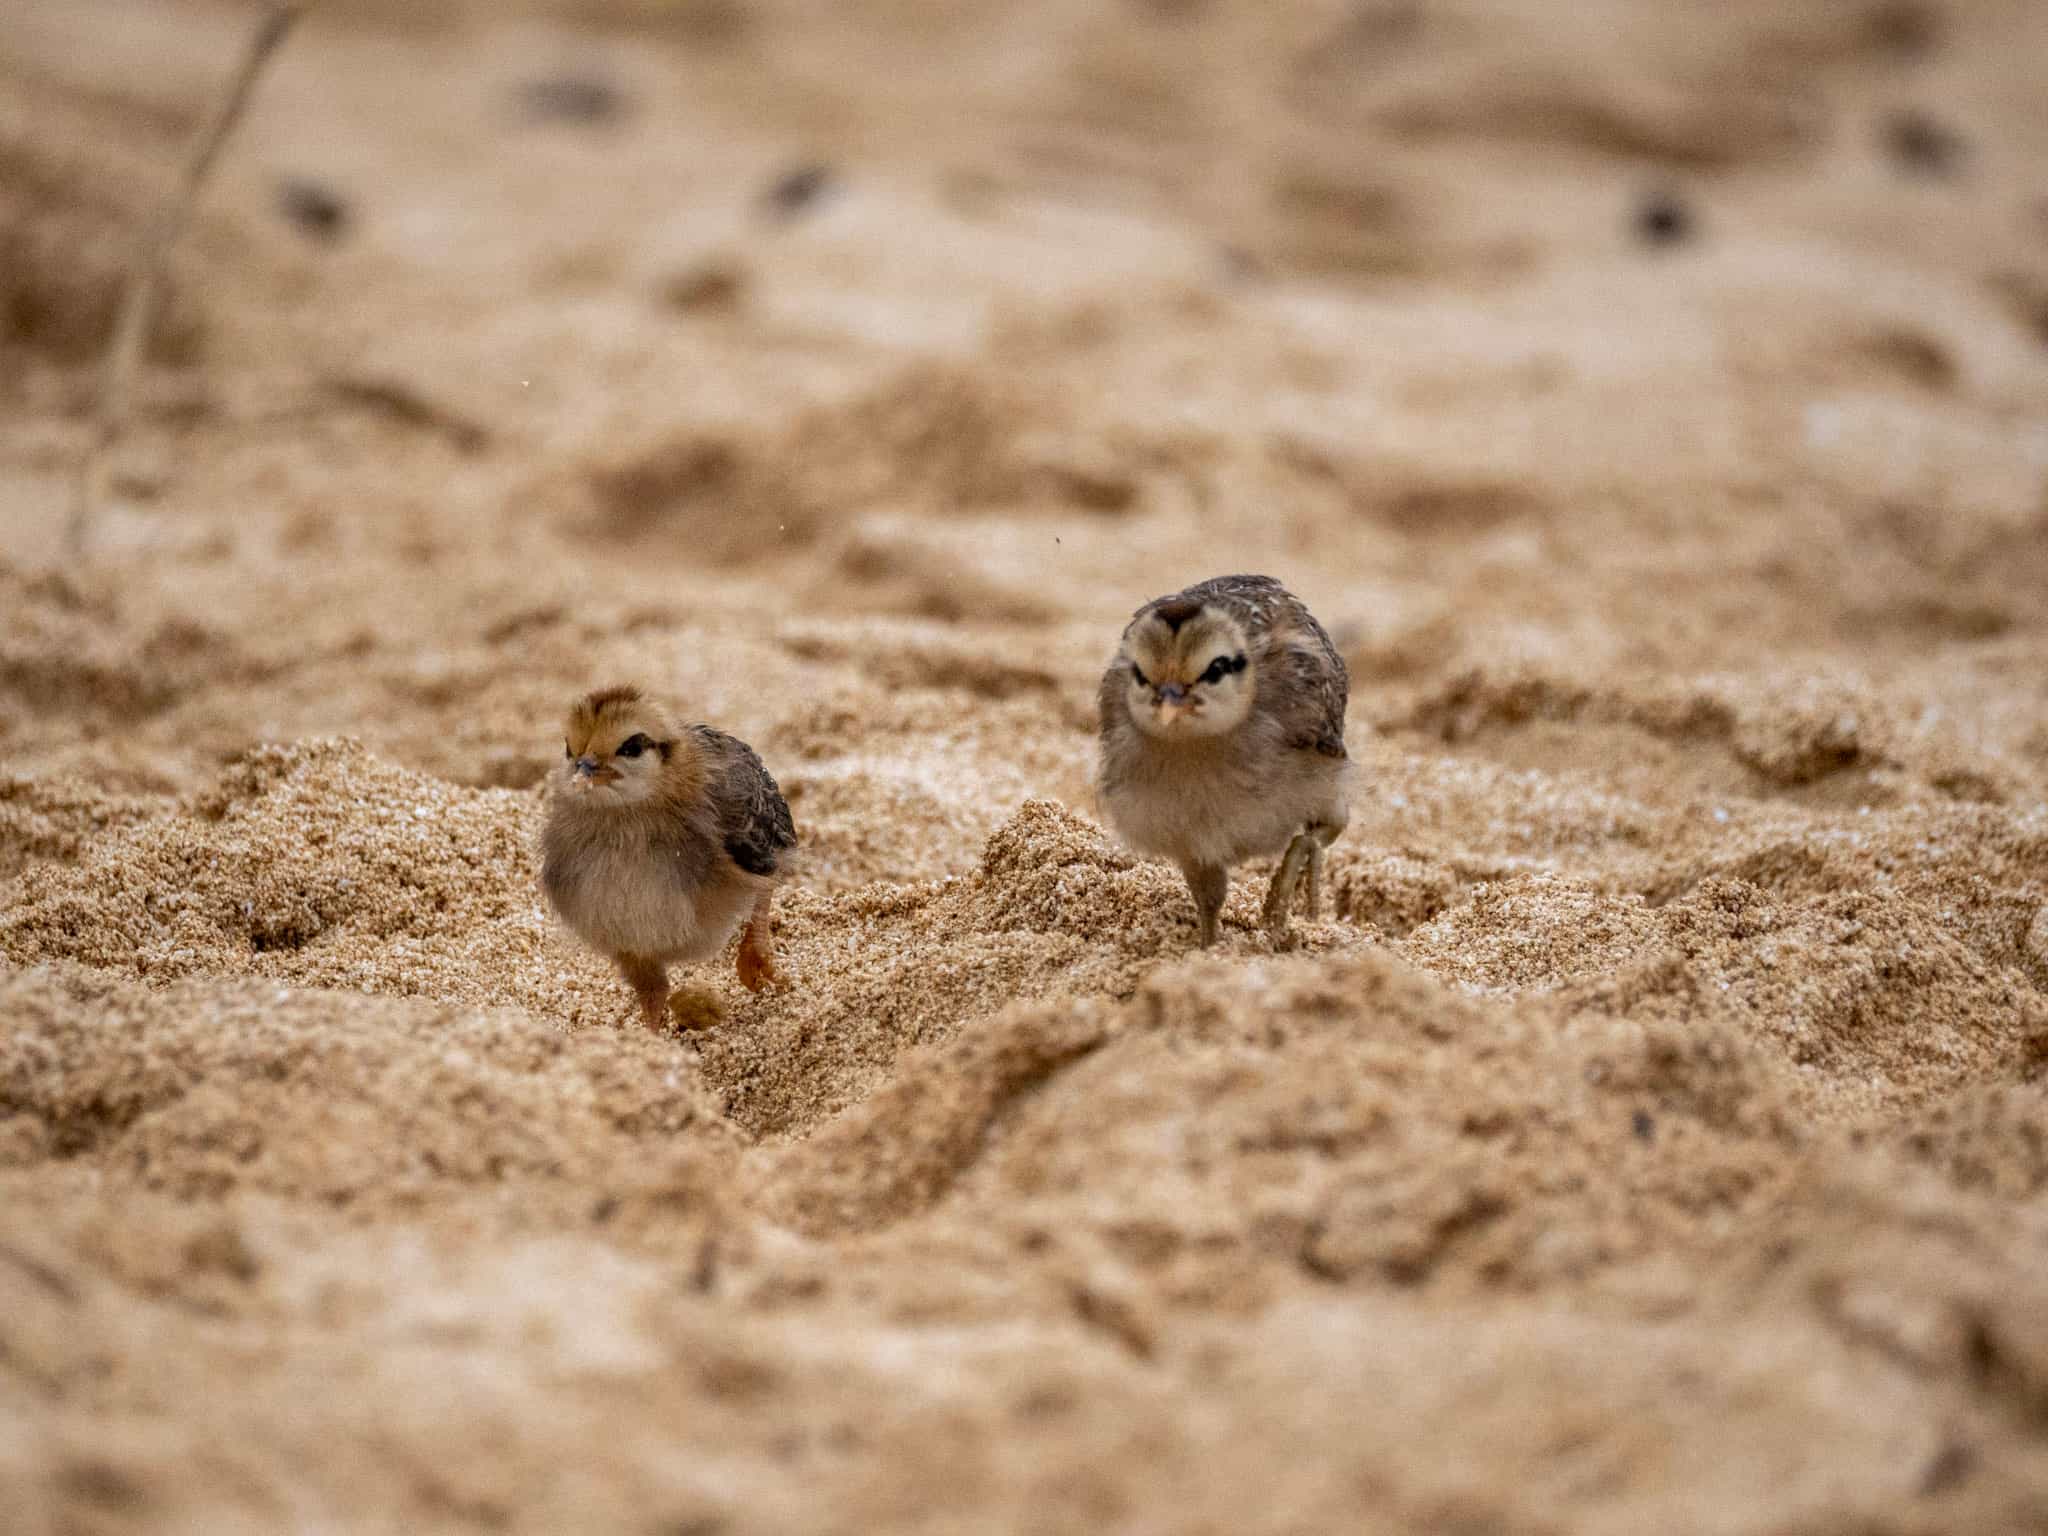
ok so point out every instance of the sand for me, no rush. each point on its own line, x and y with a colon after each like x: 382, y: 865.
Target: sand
x: 1653, y: 402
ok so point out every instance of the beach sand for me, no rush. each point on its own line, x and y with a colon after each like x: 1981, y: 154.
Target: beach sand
x: 1652, y: 400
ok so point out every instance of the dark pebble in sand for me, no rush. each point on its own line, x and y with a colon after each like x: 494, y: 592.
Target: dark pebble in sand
x: 1921, y: 145
x: 1663, y: 218
x: 715, y: 283
x: 572, y: 98
x: 797, y: 190
x: 1950, y: 1468
x: 319, y: 212
x: 1904, y: 29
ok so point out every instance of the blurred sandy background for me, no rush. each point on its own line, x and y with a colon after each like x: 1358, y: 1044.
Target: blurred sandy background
x: 1651, y: 397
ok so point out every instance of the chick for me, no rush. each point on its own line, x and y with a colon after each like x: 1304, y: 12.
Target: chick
x: 662, y: 839
x: 1223, y: 740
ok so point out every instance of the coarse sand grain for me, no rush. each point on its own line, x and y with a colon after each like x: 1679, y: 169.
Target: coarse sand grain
x: 1651, y: 1134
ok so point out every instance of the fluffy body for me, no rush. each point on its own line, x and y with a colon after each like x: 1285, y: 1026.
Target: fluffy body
x: 1223, y: 739
x: 662, y: 841
x: 650, y: 881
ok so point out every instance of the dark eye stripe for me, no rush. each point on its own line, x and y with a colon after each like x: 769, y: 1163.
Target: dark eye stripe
x: 633, y: 746
x: 1143, y: 680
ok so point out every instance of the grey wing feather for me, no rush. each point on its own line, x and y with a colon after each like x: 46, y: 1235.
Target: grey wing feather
x: 1316, y: 688
x: 1324, y: 689
x: 753, y: 818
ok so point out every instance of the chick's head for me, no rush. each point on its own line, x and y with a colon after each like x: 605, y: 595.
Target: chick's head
x: 1187, y: 671
x: 615, y: 746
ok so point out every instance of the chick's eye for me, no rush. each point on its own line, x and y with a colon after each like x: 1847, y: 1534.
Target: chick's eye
x: 1218, y: 669
x: 633, y: 746
x: 1143, y: 680
x: 567, y: 750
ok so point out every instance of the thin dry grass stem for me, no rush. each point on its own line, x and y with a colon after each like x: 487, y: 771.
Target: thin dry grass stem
x: 145, y: 275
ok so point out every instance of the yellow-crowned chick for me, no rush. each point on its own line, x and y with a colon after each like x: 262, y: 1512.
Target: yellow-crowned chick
x: 662, y: 838
x: 1223, y: 740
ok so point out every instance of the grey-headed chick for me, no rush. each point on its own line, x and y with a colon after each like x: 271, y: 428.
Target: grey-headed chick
x: 662, y: 838
x: 1223, y: 740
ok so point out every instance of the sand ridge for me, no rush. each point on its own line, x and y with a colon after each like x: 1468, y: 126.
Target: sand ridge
x: 1650, y: 1135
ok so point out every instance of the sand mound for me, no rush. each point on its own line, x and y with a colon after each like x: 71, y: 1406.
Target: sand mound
x: 1778, y: 734
x: 1053, y: 908
x: 371, y: 1108
x: 40, y: 822
x: 1652, y: 1134
x: 304, y: 862
x: 1229, y: 1130
x: 1264, y: 1183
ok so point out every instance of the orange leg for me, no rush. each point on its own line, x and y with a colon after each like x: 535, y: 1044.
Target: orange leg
x: 649, y: 981
x: 756, y: 961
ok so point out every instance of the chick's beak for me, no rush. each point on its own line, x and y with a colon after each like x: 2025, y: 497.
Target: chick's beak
x: 1173, y: 702
x: 586, y: 767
